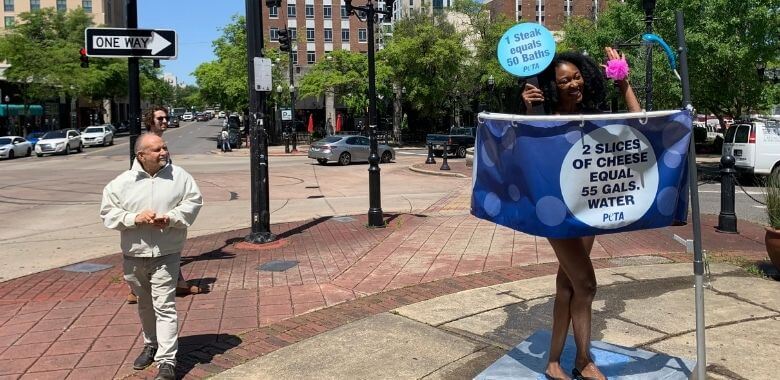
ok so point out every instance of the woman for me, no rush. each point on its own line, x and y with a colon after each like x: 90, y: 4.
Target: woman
x: 574, y: 84
x: 156, y: 122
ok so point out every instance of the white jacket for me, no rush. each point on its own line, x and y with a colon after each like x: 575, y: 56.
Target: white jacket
x: 172, y: 192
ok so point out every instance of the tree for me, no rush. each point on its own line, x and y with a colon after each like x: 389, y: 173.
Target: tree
x: 725, y: 39
x: 345, y: 74
x: 224, y: 80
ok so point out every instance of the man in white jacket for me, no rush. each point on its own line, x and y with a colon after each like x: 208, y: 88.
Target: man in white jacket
x: 152, y: 204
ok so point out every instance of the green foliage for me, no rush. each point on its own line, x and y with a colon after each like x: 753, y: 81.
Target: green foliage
x: 772, y: 198
x: 725, y: 39
x: 345, y: 73
x: 426, y: 55
x: 224, y: 80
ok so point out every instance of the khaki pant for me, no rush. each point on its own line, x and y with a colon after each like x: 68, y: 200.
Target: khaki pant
x: 153, y: 280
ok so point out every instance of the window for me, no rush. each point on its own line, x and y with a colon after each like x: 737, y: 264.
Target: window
x: 273, y: 12
x: 310, y: 34
x: 310, y: 57
x: 293, y: 34
x: 344, y: 11
x: 309, y: 10
x: 62, y: 5
x: 295, y: 57
x: 327, y: 11
x: 345, y: 35
x: 35, y: 5
x: 291, y: 10
x: 9, y: 21
x: 567, y: 7
x: 328, y: 35
x: 8, y: 5
x: 274, y: 34
x: 87, y: 5
x: 362, y: 35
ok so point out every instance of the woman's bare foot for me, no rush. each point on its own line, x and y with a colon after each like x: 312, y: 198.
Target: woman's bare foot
x: 555, y: 372
x: 590, y: 371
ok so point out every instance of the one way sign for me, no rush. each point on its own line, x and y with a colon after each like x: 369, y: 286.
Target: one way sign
x: 140, y: 43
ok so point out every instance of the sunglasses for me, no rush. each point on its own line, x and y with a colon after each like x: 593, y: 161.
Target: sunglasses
x: 162, y: 118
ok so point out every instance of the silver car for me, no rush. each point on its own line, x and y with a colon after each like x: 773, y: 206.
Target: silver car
x: 346, y: 149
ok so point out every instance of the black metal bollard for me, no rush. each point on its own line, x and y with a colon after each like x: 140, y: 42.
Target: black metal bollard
x: 430, y: 159
x: 727, y: 219
x: 295, y: 142
x: 286, y: 143
x: 444, y: 164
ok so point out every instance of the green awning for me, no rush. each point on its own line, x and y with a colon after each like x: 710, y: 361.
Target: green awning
x: 18, y: 110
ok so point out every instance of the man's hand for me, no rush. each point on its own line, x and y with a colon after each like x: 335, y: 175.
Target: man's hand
x: 162, y: 221
x: 145, y: 217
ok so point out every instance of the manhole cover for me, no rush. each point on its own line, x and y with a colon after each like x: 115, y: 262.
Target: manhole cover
x: 86, y: 267
x: 344, y: 219
x: 277, y: 266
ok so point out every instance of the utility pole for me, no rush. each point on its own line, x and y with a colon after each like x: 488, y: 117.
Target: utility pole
x: 649, y: 7
x: 261, y: 214
x: 134, y: 85
x: 375, y: 217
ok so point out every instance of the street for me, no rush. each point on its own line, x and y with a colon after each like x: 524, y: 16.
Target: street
x: 50, y: 204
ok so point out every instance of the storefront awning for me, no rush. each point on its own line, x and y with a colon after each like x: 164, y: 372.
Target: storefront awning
x: 18, y: 110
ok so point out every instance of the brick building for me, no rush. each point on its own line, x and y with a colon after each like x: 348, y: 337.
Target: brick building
x: 550, y: 13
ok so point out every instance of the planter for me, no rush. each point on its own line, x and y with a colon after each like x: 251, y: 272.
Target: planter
x: 772, y: 240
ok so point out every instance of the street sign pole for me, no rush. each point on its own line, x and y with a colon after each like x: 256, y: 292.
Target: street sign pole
x: 134, y: 85
x: 258, y: 151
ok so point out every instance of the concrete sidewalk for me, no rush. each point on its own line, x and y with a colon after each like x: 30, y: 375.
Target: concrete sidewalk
x: 439, y: 294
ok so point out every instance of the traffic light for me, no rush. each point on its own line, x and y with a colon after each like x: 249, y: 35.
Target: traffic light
x: 84, y: 58
x: 273, y: 3
x: 348, y: 6
x: 284, y: 40
x: 388, y: 10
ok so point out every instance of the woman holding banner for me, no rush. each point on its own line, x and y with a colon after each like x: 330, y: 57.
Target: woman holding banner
x: 574, y: 84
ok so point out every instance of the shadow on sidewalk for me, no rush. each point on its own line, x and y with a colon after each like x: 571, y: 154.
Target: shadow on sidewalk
x: 201, y: 349
x: 303, y: 227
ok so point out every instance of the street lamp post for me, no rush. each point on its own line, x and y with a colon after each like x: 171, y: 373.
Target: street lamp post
x: 6, y: 100
x: 292, y: 116
x: 375, y: 218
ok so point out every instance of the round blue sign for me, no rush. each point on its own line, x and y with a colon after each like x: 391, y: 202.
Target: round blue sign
x: 526, y: 49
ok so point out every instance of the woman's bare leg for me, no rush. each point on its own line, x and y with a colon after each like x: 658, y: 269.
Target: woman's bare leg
x: 560, y: 325
x: 574, y: 258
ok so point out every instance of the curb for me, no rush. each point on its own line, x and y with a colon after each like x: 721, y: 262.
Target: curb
x: 439, y: 173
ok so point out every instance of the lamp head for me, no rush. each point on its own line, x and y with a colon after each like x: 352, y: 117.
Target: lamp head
x: 348, y: 4
x: 648, y: 6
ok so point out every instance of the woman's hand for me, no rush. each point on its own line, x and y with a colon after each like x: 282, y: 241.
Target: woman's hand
x: 623, y: 86
x: 531, y: 95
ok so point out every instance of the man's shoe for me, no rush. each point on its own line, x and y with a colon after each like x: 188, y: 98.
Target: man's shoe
x: 132, y: 298
x: 166, y: 371
x: 146, y: 358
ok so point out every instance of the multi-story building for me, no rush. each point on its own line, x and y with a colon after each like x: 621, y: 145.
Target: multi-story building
x: 550, y: 13
x: 61, y: 112
x: 104, y: 12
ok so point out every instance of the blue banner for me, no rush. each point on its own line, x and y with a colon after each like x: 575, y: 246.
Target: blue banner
x: 569, y: 176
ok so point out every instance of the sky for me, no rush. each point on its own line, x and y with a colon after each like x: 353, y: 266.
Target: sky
x: 196, y: 22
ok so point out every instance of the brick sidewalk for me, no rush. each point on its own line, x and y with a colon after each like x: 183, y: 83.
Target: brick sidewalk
x: 58, y: 324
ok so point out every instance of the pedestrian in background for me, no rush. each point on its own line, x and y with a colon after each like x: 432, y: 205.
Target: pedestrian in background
x: 152, y: 205
x: 225, y: 136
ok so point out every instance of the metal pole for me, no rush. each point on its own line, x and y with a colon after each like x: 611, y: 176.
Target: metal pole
x: 649, y: 10
x: 727, y: 218
x: 134, y: 86
x: 261, y: 215
x: 375, y: 218
x: 292, y: 93
x: 698, y: 262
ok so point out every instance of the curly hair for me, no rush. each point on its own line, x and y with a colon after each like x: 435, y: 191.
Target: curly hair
x: 594, y: 91
x: 149, y: 116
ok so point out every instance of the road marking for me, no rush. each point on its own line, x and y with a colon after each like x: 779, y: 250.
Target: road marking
x: 411, y: 153
x: 737, y: 192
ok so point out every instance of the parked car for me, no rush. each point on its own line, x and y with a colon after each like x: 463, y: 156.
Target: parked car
x: 102, y: 135
x: 346, y: 149
x: 187, y: 116
x: 234, y: 138
x: 33, y: 137
x: 122, y: 127
x: 221, y: 114
x: 173, y: 122
x: 755, y: 145
x: 14, y: 146
x: 203, y: 117
x: 458, y: 140
x: 60, y: 141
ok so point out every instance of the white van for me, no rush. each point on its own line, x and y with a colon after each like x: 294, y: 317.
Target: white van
x: 755, y: 145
